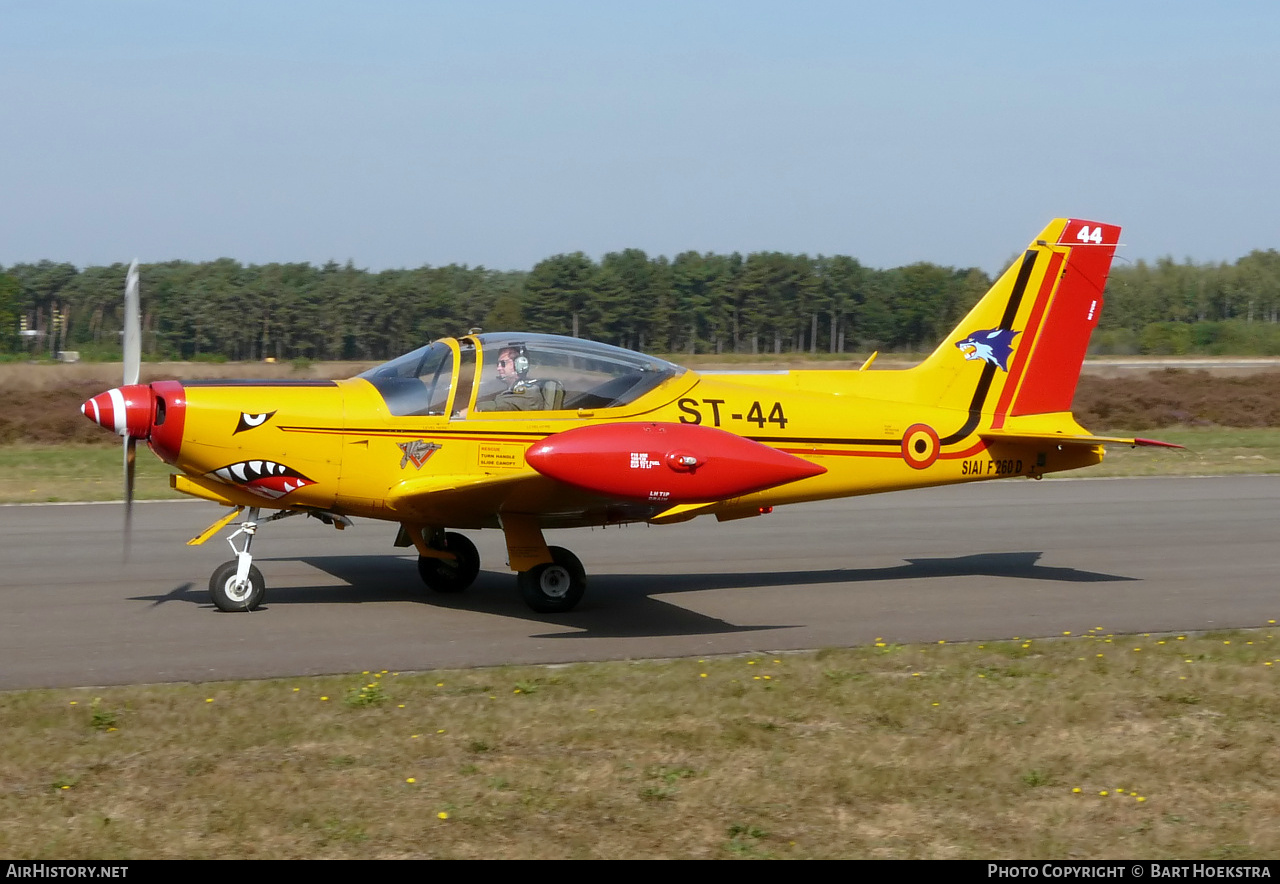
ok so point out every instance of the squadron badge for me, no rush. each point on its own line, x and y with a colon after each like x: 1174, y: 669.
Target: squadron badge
x: 417, y: 451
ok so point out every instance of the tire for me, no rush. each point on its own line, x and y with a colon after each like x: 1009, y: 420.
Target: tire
x: 555, y: 587
x: 227, y: 597
x: 451, y: 575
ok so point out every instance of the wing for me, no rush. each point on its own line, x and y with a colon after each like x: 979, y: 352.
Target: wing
x: 463, y: 499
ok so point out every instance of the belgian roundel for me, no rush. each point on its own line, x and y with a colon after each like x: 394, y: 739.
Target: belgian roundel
x: 920, y: 446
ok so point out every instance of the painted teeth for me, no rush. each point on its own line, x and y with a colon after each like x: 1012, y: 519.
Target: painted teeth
x: 247, y: 472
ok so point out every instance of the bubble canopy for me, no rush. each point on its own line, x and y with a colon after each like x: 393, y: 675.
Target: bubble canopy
x: 460, y: 377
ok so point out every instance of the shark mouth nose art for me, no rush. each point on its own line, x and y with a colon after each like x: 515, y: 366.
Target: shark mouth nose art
x: 265, y: 478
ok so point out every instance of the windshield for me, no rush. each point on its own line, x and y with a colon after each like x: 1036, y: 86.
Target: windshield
x: 416, y: 383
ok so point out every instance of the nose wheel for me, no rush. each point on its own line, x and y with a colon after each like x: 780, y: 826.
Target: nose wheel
x: 237, y: 585
x: 230, y: 592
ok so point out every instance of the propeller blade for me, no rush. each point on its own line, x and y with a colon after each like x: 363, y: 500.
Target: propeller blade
x: 132, y: 327
x: 130, y: 455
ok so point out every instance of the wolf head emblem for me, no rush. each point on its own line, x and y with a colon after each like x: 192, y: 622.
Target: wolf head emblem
x: 991, y: 345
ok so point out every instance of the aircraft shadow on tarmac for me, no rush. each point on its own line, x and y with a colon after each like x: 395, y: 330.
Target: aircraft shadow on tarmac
x: 622, y: 605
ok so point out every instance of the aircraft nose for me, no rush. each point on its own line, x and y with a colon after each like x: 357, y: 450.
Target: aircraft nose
x: 126, y: 411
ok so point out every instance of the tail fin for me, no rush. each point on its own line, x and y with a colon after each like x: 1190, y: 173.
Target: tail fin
x: 1019, y: 350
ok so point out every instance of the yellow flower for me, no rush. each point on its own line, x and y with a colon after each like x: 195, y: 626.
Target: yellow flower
x: 442, y: 815
x: 411, y: 780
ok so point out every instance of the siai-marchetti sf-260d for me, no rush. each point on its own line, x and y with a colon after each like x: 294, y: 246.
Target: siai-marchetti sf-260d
x: 527, y: 432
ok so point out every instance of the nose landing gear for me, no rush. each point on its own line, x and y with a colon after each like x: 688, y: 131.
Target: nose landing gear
x: 238, y: 585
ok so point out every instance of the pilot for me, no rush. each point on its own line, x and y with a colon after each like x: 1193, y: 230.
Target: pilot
x: 523, y: 393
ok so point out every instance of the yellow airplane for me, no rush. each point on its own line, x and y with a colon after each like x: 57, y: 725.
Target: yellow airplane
x: 525, y: 432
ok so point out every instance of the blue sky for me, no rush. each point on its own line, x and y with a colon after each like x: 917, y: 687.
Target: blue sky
x: 397, y: 134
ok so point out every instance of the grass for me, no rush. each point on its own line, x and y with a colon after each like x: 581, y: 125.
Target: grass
x: 56, y: 473
x: 1085, y: 746
x: 1210, y: 451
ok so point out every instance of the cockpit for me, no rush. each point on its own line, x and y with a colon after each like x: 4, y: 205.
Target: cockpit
x: 492, y: 376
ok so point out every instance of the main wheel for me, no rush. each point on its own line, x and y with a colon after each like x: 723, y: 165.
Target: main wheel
x: 451, y: 575
x: 230, y: 597
x: 556, y: 586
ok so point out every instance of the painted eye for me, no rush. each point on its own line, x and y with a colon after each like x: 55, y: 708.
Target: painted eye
x: 249, y: 421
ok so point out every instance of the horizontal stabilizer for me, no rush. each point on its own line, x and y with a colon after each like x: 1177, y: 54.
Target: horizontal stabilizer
x: 1072, y: 439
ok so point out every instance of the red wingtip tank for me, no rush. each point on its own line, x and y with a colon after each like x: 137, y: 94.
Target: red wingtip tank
x: 665, y: 462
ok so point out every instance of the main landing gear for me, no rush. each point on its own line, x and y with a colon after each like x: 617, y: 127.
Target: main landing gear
x: 455, y: 572
x: 551, y: 579
x: 553, y: 587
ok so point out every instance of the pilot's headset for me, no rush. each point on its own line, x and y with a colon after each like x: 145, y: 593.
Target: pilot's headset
x: 521, y: 362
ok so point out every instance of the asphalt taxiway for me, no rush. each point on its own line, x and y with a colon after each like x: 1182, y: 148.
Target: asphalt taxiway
x: 979, y: 561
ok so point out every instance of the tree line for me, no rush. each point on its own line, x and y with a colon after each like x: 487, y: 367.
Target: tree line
x: 765, y: 302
